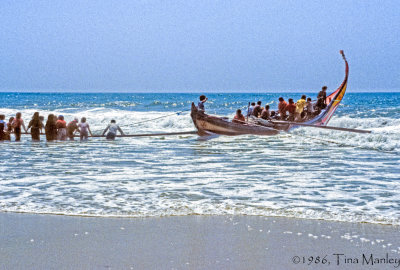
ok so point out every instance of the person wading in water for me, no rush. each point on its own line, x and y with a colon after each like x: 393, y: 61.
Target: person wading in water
x: 17, y: 123
x: 113, y: 128
x: 51, y: 128
x: 35, y: 125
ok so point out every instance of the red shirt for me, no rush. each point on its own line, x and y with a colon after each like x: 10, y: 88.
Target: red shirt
x: 282, y: 107
x: 61, y: 124
x: 291, y: 108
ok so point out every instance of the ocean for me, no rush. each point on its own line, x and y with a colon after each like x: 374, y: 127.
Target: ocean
x: 307, y: 173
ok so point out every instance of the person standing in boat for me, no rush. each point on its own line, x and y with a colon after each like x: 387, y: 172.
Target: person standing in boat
x: 300, y: 104
x: 72, y: 127
x: 266, y: 114
x: 51, y: 128
x: 35, y: 125
x: 17, y: 123
x: 239, y: 118
x: 322, y: 97
x: 200, y: 105
x: 257, y: 109
x: 251, y: 109
x: 291, y: 108
x: 282, y: 108
x: 310, y: 109
x: 113, y: 128
x: 84, y: 129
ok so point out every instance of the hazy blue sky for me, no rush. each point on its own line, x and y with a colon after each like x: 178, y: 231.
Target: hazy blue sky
x: 198, y: 45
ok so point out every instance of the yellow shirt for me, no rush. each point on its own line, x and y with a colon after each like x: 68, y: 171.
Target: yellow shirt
x: 300, y: 104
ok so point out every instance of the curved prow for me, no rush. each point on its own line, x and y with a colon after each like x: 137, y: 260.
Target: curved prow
x: 336, y: 97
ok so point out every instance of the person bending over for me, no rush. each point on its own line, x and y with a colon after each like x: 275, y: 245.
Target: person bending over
x: 112, y: 130
x: 72, y: 127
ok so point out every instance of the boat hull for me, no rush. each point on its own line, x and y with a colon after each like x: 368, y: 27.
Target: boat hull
x: 207, y: 125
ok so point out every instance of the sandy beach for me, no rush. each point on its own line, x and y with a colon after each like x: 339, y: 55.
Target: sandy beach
x: 193, y: 242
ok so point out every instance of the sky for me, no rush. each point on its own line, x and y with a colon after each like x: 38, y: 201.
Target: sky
x: 198, y: 46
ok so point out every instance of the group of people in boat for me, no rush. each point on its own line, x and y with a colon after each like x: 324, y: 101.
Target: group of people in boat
x: 302, y: 110
x: 55, y: 128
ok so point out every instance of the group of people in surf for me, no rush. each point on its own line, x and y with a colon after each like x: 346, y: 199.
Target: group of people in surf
x: 55, y: 128
x: 302, y: 110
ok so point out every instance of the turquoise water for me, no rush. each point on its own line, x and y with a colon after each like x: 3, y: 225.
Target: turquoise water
x: 308, y: 173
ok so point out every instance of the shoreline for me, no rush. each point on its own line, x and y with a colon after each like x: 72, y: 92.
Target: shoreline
x: 195, y: 215
x: 47, y: 241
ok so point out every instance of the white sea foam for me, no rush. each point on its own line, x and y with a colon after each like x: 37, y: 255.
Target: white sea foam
x: 309, y: 173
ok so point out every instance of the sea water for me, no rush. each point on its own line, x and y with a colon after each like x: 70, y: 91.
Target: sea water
x: 308, y: 173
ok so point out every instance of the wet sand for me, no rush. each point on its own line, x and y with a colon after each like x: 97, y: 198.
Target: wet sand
x: 193, y: 242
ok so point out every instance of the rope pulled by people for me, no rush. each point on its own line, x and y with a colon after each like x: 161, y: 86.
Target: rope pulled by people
x: 159, y: 117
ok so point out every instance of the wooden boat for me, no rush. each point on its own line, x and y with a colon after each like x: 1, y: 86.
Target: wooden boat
x: 207, y: 124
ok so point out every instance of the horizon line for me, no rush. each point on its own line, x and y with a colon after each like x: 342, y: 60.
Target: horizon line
x: 208, y: 93
x: 187, y: 92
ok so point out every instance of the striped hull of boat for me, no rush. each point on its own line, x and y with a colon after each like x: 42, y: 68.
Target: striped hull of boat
x: 207, y: 125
